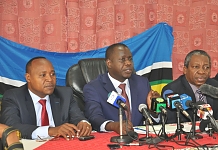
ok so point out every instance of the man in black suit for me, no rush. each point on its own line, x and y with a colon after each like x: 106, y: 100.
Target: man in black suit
x: 21, y: 107
x: 196, y: 71
x: 216, y: 77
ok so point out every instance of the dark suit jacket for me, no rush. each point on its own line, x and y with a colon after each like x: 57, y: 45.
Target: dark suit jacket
x: 181, y: 86
x: 18, y: 109
x: 97, y: 110
x: 216, y: 77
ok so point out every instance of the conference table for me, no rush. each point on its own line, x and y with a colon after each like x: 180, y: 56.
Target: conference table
x: 102, y: 139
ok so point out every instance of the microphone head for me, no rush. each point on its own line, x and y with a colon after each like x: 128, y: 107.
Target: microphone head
x: 188, y: 103
x: 156, y: 103
x: 209, y: 90
x: 184, y: 98
x: 141, y: 106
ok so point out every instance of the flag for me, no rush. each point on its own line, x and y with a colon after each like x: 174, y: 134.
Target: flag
x: 151, y: 50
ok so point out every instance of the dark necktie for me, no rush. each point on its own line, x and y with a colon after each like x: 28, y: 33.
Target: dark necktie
x: 128, y: 113
x: 201, y: 96
x: 44, y: 114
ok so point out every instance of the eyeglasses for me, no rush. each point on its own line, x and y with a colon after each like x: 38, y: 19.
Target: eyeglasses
x: 40, y: 139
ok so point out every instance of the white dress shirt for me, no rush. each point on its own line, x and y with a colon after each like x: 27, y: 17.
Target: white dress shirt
x: 41, y: 131
x: 116, y: 83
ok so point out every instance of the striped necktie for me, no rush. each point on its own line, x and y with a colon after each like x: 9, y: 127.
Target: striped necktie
x: 128, y: 112
x: 201, y: 96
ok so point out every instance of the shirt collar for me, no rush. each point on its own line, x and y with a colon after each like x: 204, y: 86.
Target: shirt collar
x: 116, y: 83
x: 194, y: 88
x: 36, y: 98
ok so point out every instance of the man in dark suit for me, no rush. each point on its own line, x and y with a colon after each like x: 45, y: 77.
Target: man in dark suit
x: 21, y: 107
x: 104, y: 116
x: 196, y: 71
x: 216, y: 77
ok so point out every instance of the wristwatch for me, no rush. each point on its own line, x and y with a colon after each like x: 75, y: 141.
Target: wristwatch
x: 5, y: 134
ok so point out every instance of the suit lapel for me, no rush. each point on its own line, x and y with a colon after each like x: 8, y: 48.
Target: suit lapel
x: 134, y: 98
x: 187, y: 89
x: 55, y: 107
x: 30, y: 108
x: 107, y: 83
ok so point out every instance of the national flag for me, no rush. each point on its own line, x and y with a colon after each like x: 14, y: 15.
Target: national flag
x: 152, y: 50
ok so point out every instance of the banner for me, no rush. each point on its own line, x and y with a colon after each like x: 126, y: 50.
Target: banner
x: 151, y: 51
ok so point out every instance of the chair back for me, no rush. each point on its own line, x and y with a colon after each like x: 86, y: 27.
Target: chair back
x: 82, y: 73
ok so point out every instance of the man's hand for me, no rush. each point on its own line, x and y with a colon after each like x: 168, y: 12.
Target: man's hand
x: 115, y: 126
x: 2, y: 128
x: 66, y: 130
x: 85, y: 128
x: 152, y: 94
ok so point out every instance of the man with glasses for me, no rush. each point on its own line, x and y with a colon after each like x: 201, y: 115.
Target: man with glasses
x: 196, y: 71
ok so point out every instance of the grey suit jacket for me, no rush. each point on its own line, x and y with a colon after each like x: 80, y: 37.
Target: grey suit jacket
x: 18, y: 109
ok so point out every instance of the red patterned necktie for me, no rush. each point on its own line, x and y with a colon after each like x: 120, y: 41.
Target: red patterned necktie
x: 44, y: 114
x: 128, y: 113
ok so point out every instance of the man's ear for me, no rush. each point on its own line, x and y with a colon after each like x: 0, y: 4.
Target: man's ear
x: 108, y: 63
x: 27, y: 76
x: 184, y: 70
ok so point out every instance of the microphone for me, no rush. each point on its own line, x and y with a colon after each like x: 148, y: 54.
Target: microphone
x: 178, y: 105
x: 171, y: 99
x: 183, y: 99
x: 207, y: 118
x: 209, y: 90
x: 158, y: 105
x: 117, y: 100
x: 143, y: 110
x: 197, y: 105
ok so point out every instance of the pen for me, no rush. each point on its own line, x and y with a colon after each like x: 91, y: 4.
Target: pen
x: 133, y: 144
x: 140, y: 129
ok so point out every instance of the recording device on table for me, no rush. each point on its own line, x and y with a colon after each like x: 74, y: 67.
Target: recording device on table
x: 85, y: 138
x: 118, y: 101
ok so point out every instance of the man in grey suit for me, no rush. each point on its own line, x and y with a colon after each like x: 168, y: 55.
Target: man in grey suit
x: 21, y: 107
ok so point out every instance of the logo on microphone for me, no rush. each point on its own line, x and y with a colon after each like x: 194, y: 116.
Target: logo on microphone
x: 203, y: 114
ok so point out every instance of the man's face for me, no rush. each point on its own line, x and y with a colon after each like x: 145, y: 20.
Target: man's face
x: 198, y: 70
x: 41, y: 77
x: 120, y: 65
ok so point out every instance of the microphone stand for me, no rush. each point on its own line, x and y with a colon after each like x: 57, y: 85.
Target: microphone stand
x: 148, y: 139
x: 122, y: 138
x: 210, y: 131
x: 163, y: 133
x: 178, y: 130
x: 194, y: 135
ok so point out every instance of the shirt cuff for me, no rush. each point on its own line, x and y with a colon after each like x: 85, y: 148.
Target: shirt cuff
x: 86, y: 122
x: 42, y: 132
x: 102, y: 127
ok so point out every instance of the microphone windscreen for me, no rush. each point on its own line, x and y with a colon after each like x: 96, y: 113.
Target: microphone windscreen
x: 141, y: 106
x: 188, y: 103
x: 209, y: 90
